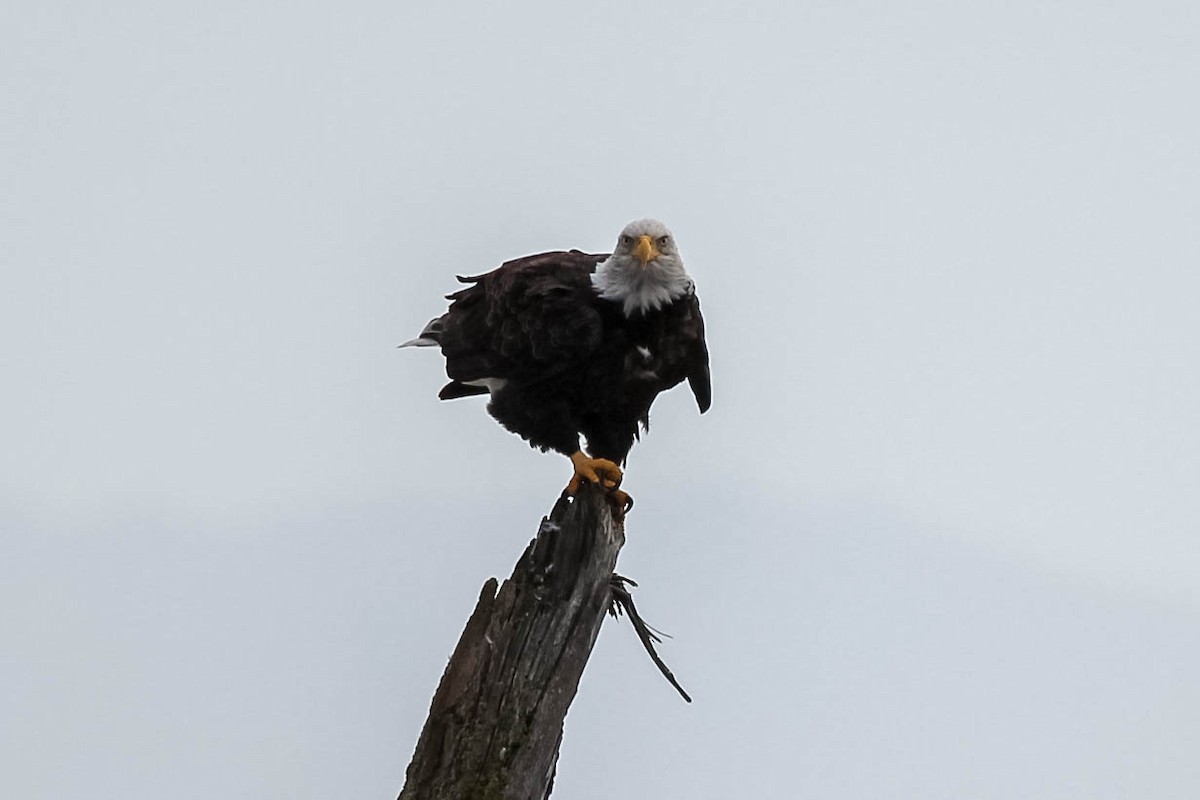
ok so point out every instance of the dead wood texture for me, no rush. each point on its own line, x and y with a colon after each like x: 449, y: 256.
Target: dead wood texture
x: 496, y: 721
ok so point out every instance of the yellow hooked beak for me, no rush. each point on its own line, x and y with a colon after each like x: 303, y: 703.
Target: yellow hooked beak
x: 645, y: 251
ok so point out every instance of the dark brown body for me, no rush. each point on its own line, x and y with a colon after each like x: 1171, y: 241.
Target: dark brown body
x: 571, y: 362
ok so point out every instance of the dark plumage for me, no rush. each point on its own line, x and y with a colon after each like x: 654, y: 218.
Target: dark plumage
x: 566, y: 351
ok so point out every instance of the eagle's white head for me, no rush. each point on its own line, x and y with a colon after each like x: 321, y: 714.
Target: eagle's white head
x: 645, y: 271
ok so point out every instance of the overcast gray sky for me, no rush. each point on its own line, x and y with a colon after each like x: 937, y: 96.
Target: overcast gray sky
x: 937, y: 537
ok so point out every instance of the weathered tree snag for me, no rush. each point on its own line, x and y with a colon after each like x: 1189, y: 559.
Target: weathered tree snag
x: 496, y: 721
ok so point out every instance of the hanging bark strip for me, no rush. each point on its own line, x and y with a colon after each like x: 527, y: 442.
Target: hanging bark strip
x: 622, y: 603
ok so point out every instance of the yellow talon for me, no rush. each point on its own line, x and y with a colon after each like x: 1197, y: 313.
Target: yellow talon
x: 600, y: 471
x: 604, y: 473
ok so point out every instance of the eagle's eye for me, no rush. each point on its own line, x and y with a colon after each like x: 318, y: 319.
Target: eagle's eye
x: 627, y: 240
x: 662, y: 241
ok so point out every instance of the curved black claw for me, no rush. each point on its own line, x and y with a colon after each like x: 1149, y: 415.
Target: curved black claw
x: 622, y: 502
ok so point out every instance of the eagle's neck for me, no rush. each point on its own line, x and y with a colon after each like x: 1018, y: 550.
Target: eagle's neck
x: 641, y: 289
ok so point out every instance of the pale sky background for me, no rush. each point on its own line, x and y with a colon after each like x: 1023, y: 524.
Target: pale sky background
x: 937, y: 537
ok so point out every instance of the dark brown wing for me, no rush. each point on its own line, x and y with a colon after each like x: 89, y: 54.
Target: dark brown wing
x: 524, y: 322
x: 677, y: 351
x: 699, y: 377
x: 691, y: 350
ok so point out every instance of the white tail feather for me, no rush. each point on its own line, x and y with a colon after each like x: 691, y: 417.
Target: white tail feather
x: 429, y: 336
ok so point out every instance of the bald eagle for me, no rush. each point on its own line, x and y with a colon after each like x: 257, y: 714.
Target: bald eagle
x: 570, y: 343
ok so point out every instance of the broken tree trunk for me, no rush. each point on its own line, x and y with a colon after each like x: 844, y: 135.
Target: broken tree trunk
x: 496, y: 722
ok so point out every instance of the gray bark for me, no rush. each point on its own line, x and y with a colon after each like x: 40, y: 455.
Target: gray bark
x: 496, y: 721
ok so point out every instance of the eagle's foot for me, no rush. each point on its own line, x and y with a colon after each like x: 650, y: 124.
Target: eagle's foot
x: 600, y: 471
x: 605, y: 474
